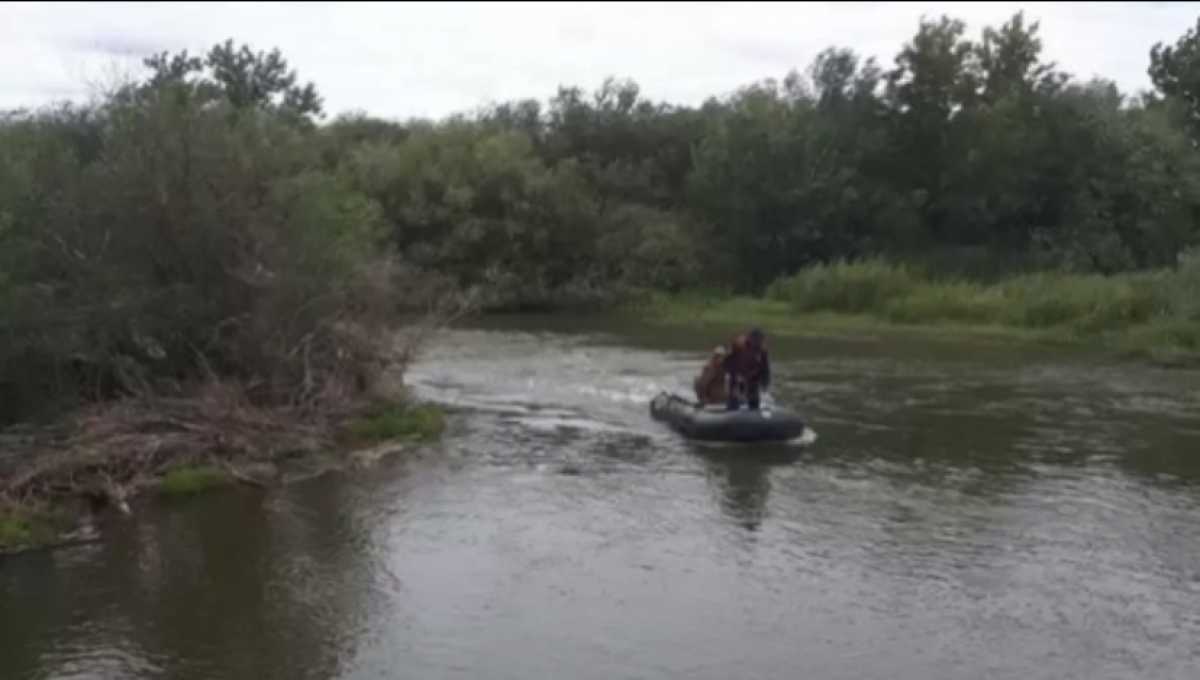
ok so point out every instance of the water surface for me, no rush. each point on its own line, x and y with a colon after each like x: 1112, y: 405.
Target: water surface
x: 965, y: 512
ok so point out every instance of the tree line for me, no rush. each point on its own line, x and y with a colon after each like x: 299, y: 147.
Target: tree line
x: 208, y: 220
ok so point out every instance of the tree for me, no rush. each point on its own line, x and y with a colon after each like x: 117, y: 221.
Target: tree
x: 935, y: 73
x: 785, y: 180
x: 1175, y: 72
x: 934, y: 81
x: 242, y: 77
x: 1010, y: 61
x: 839, y: 80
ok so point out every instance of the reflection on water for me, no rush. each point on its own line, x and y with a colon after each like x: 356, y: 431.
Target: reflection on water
x: 744, y: 488
x: 743, y: 482
x: 967, y: 512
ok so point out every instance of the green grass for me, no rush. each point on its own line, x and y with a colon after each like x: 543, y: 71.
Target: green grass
x: 396, y: 421
x: 853, y: 288
x: 15, y: 531
x: 186, y: 481
x: 21, y: 529
x: 1152, y: 315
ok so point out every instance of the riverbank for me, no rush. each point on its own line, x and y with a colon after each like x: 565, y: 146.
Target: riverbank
x: 1165, y: 344
x: 1148, y: 316
x: 55, y: 478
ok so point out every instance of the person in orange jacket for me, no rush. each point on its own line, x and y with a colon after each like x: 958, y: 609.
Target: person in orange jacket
x: 747, y: 370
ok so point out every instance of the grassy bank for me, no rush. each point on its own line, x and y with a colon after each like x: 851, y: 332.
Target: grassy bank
x: 1150, y: 315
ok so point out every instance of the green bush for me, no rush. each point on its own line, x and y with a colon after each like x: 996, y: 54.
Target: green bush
x: 391, y: 421
x: 185, y: 481
x: 1183, y: 295
x: 25, y: 528
x: 1086, y: 302
x: 15, y: 531
x: 1147, y: 311
x: 959, y: 302
x: 858, y: 287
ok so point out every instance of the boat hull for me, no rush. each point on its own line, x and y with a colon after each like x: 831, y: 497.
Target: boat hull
x: 720, y: 425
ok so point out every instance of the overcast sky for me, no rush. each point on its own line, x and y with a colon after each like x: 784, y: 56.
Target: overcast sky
x: 418, y: 59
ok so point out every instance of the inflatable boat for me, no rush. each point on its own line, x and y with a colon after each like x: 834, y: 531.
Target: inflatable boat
x: 715, y: 424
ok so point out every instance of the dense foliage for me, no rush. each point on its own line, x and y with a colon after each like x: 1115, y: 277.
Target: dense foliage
x: 205, y: 220
x: 183, y: 228
x: 973, y: 156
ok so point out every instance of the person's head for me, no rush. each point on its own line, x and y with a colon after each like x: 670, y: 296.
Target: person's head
x: 756, y: 337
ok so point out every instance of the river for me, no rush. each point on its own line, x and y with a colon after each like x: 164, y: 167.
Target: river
x: 963, y: 511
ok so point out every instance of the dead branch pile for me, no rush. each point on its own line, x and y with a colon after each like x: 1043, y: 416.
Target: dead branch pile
x: 111, y: 449
x: 114, y: 449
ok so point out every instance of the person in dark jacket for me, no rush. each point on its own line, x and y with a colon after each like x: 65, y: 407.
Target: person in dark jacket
x: 747, y: 370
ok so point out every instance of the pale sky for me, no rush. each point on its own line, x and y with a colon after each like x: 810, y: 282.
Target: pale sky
x: 399, y: 60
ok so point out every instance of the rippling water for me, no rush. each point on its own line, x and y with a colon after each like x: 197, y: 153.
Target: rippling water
x: 964, y: 512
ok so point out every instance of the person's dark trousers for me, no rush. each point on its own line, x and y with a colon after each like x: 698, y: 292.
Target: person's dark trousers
x: 752, y: 399
x: 735, y: 390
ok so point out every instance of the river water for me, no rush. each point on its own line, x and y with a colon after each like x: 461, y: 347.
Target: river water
x: 964, y: 512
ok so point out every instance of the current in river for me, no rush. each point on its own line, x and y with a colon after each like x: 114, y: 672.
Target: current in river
x: 959, y: 511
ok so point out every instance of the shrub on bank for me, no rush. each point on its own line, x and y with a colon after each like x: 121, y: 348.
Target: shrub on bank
x: 953, y: 301
x: 1088, y: 303
x: 1182, y: 292
x: 397, y: 421
x: 26, y: 527
x: 185, y: 481
x: 1163, y: 300
x: 853, y: 287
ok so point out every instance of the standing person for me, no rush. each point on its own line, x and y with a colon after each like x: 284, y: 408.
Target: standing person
x: 747, y: 370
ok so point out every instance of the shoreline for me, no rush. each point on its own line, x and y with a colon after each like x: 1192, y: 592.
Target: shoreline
x: 731, y: 313
x: 55, y: 497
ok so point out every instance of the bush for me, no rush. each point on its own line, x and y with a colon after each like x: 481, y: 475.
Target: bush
x: 186, y: 481
x: 961, y: 302
x: 27, y: 527
x: 1183, y: 293
x: 858, y: 287
x: 398, y: 421
x: 15, y: 531
x: 1089, y: 303
x: 1159, y: 305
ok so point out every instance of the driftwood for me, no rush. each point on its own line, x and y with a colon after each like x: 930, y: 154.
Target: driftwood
x: 114, y: 450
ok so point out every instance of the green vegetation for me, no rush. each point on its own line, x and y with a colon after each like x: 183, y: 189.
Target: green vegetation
x: 27, y: 528
x: 185, y: 481
x: 204, y: 226
x: 395, y: 421
x: 732, y: 314
x: 180, y: 229
x: 15, y: 531
x: 1150, y: 314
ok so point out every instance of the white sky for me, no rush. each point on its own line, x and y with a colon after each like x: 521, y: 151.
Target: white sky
x: 432, y: 59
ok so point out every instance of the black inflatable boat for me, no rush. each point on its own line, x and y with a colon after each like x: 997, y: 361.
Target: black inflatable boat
x: 718, y: 425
